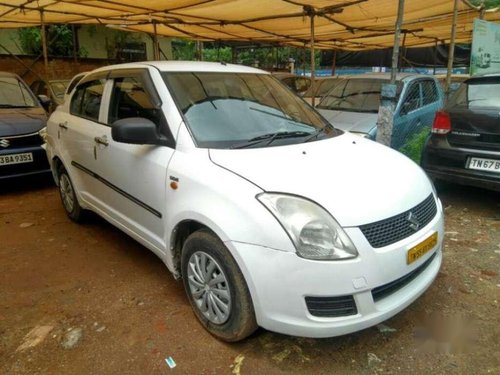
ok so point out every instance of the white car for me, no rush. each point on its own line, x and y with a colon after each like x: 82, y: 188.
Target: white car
x: 270, y: 216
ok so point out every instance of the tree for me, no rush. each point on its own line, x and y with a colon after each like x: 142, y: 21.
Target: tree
x: 30, y: 40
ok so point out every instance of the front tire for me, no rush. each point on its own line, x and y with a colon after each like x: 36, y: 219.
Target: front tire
x: 68, y: 196
x: 216, y: 288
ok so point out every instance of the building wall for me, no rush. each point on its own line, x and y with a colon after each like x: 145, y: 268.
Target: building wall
x: 9, y: 39
x: 96, y: 41
x: 59, y: 68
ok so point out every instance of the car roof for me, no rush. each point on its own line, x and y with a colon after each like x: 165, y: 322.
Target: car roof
x: 186, y: 66
x: 9, y: 74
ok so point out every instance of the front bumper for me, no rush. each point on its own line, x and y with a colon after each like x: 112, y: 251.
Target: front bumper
x: 39, y: 165
x: 442, y: 161
x: 279, y: 282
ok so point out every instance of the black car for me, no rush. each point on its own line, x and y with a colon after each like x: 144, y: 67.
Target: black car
x: 464, y: 146
x: 22, y: 127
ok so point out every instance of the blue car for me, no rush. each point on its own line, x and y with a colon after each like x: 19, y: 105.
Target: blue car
x: 22, y: 128
x: 353, y: 105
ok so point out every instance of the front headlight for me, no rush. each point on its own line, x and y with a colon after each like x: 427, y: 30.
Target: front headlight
x: 43, y: 134
x: 314, y: 232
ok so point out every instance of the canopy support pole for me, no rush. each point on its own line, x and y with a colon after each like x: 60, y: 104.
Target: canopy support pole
x: 482, y: 10
x: 402, y: 54
x: 451, y: 51
x: 75, y: 47
x: 44, y: 45
x: 156, y: 44
x: 435, y: 57
x: 199, y: 50
x: 334, y: 62
x: 388, y: 96
x: 313, y: 62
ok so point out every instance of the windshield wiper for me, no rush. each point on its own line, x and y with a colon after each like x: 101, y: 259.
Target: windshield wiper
x: 315, y: 134
x: 270, y: 138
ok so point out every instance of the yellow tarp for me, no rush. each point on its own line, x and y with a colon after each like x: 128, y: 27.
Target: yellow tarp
x: 344, y: 24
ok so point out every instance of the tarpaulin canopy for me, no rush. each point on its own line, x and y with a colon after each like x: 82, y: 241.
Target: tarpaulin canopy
x: 338, y: 24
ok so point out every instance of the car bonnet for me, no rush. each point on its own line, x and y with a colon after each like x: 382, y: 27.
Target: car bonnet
x: 358, y: 181
x: 18, y: 121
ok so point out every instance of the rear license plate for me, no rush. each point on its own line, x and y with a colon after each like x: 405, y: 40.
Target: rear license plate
x: 423, y: 247
x: 26, y: 157
x: 484, y: 164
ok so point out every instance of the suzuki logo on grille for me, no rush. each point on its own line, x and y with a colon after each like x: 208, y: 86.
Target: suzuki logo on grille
x: 413, y: 220
x: 4, y: 143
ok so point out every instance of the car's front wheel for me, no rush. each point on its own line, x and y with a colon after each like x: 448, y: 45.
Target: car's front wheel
x: 68, y: 196
x: 216, y: 288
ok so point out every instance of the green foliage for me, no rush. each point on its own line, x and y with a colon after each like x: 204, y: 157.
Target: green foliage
x: 488, y: 3
x: 59, y: 40
x: 267, y: 57
x: 414, y: 147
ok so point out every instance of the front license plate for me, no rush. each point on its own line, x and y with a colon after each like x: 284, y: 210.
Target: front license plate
x: 26, y: 157
x: 423, y: 247
x: 484, y: 164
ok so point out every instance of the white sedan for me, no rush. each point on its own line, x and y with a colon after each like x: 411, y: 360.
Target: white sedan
x: 271, y: 216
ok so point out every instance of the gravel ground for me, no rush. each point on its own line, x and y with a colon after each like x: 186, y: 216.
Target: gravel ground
x: 81, y: 299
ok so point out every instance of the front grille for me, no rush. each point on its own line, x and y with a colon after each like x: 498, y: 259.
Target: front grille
x: 385, y: 290
x: 394, y: 229
x: 331, y: 307
x: 26, y: 140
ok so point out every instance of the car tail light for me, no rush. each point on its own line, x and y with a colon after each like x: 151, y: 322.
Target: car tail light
x: 442, y: 123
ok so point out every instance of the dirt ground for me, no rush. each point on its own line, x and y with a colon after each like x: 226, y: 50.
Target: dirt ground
x: 127, y: 314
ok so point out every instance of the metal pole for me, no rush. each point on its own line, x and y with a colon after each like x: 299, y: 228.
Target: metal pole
x: 199, y: 50
x: 75, y: 47
x: 313, y: 62
x: 397, y: 34
x: 44, y: 45
x: 156, y: 46
x: 403, y: 53
x: 334, y: 62
x: 435, y: 57
x: 482, y: 10
x: 385, y: 119
x: 451, y: 51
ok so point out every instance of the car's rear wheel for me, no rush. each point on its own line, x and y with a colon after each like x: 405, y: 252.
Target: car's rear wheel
x: 216, y: 288
x: 68, y: 196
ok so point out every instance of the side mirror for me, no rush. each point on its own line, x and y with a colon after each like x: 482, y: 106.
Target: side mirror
x: 135, y: 130
x: 45, y: 102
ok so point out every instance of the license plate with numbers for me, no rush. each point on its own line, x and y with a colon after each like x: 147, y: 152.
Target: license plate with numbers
x: 484, y: 164
x: 26, y: 157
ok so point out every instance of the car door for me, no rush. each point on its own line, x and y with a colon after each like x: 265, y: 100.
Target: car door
x: 134, y: 177
x: 407, y: 115
x: 77, y: 132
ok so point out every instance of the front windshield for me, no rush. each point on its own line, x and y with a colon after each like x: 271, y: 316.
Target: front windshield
x: 355, y: 95
x: 14, y: 94
x: 321, y: 87
x: 225, y: 110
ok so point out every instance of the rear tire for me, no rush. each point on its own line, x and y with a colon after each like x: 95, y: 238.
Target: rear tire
x: 68, y: 196
x: 216, y: 288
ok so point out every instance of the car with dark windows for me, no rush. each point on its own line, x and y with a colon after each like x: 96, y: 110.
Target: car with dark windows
x: 22, y: 129
x: 464, y: 146
x: 244, y: 192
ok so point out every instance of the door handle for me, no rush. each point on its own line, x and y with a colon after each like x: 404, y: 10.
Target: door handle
x: 101, y: 140
x: 63, y: 125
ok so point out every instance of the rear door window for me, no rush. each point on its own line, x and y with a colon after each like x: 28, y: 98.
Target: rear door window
x: 86, y: 102
x: 412, y: 100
